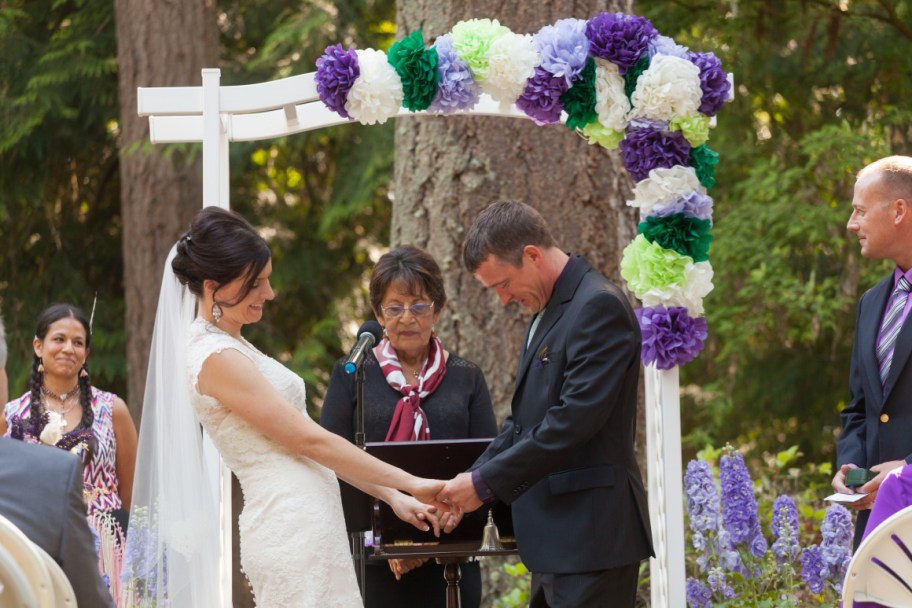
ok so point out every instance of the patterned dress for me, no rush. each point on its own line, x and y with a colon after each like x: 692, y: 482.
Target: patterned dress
x: 99, y: 482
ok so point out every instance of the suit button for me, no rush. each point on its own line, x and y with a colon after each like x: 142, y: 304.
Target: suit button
x: 518, y: 429
x: 884, y: 418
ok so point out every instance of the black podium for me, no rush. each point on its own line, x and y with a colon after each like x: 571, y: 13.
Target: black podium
x: 393, y: 538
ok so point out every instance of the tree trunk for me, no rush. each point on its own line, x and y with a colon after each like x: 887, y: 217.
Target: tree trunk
x: 158, y: 44
x: 448, y: 169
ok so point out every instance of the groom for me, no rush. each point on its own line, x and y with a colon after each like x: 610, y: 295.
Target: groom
x: 564, y: 460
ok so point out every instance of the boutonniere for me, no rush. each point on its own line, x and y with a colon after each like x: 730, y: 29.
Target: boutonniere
x: 542, y: 359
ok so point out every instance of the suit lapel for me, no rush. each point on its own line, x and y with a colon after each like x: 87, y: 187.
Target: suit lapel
x: 553, y: 312
x: 868, y: 328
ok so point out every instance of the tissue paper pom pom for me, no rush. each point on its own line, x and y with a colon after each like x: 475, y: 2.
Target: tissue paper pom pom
x: 696, y: 285
x: 663, y: 45
x: 695, y: 128
x: 541, y: 98
x: 646, y: 149
x: 472, y: 41
x: 512, y: 60
x: 377, y: 94
x: 669, y: 88
x: 417, y: 69
x: 457, y: 89
x: 693, y: 204
x: 633, y: 75
x: 611, y: 103
x: 704, y: 160
x: 664, y: 186
x: 579, y: 101
x: 687, y: 235
x: 619, y: 38
x: 597, y: 133
x: 713, y: 82
x: 670, y: 336
x: 337, y: 70
x: 646, y: 266
x: 564, y: 48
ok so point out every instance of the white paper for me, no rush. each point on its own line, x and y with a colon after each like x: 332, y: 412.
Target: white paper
x: 845, y: 498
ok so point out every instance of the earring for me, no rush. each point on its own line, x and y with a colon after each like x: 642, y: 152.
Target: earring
x: 216, y: 312
x: 83, y: 373
x: 41, y: 367
x: 384, y: 331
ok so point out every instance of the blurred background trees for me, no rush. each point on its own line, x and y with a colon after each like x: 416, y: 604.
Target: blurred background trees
x: 821, y: 89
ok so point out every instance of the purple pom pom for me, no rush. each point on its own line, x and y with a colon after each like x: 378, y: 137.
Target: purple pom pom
x: 337, y: 70
x: 713, y: 81
x: 541, y: 98
x: 670, y: 336
x: 647, y: 149
x: 619, y: 38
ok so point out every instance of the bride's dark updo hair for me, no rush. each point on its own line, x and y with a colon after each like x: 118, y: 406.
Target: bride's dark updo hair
x: 220, y: 246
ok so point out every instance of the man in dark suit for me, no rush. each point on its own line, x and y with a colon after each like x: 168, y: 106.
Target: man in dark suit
x: 41, y: 493
x: 564, y: 459
x: 877, y: 423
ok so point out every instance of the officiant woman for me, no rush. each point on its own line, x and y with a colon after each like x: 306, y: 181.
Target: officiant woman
x: 414, y: 389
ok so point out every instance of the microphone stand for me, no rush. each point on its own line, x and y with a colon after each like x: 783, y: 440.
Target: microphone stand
x: 358, y: 550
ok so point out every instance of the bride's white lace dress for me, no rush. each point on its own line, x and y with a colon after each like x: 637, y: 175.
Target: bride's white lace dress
x: 294, y: 547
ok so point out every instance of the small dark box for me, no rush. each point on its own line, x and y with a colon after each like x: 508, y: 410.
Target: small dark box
x: 858, y: 477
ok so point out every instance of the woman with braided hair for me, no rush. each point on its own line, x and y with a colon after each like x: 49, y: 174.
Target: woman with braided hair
x: 63, y: 409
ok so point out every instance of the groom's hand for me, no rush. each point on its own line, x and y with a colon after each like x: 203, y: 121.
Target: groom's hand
x: 460, y: 492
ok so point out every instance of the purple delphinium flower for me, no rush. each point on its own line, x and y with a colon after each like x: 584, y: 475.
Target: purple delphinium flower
x: 457, y: 89
x: 646, y: 149
x: 698, y: 594
x: 785, y: 529
x: 719, y: 584
x: 564, y: 48
x: 703, y: 506
x: 337, y: 70
x: 693, y: 204
x: 663, y: 45
x: 739, y: 507
x: 619, y: 38
x: 541, y: 99
x: 836, y: 547
x: 671, y: 337
x: 713, y: 81
x: 814, y: 570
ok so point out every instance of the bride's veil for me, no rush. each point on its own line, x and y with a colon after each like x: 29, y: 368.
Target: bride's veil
x: 172, y: 552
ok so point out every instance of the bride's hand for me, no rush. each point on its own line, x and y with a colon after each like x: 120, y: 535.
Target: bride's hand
x: 426, y: 490
x: 411, y: 511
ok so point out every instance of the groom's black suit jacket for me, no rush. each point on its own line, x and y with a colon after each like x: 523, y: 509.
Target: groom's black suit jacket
x: 565, y: 457
x: 877, y: 423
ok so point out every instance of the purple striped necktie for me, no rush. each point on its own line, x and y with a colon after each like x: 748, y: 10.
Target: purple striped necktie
x: 890, y: 326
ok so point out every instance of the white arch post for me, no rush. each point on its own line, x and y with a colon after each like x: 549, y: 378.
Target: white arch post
x: 217, y: 115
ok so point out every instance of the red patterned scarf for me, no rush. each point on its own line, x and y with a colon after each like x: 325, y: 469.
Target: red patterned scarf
x: 409, y: 421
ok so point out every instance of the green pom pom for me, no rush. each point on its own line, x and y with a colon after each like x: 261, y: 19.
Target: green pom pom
x: 704, y: 160
x: 630, y: 78
x: 579, y: 100
x: 597, y: 133
x: 472, y: 41
x: 648, y: 266
x: 417, y: 68
x: 687, y: 235
x: 694, y: 128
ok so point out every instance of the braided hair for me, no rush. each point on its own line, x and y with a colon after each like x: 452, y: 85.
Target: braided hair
x: 38, y: 419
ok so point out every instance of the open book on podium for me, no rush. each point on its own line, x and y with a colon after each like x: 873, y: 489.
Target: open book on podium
x: 435, y: 459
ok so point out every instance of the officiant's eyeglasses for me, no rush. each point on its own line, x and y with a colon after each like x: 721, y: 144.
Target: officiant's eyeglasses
x: 418, y: 310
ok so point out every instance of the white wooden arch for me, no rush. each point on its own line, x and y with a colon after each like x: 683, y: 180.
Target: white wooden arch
x: 217, y: 115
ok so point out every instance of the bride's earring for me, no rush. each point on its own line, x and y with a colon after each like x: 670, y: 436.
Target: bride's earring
x: 216, y: 312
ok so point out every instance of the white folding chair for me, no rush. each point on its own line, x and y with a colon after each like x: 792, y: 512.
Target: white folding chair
x: 64, y: 595
x: 26, y: 554
x: 881, y: 569
x: 15, y: 588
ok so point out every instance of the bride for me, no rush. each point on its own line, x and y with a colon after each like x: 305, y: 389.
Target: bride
x: 292, y: 535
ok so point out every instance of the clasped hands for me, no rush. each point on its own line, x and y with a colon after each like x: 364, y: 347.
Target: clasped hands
x: 869, y: 488
x: 439, y: 506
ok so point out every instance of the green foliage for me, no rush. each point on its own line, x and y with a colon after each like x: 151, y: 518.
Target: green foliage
x: 518, y: 594
x: 59, y: 207
x: 820, y: 91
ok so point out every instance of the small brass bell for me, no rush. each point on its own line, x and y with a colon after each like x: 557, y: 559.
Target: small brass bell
x: 490, y: 539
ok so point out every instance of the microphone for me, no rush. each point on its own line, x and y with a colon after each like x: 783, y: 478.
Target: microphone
x: 368, y: 335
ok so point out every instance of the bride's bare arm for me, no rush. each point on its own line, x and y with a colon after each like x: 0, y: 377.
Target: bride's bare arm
x: 423, y: 516
x: 234, y: 380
